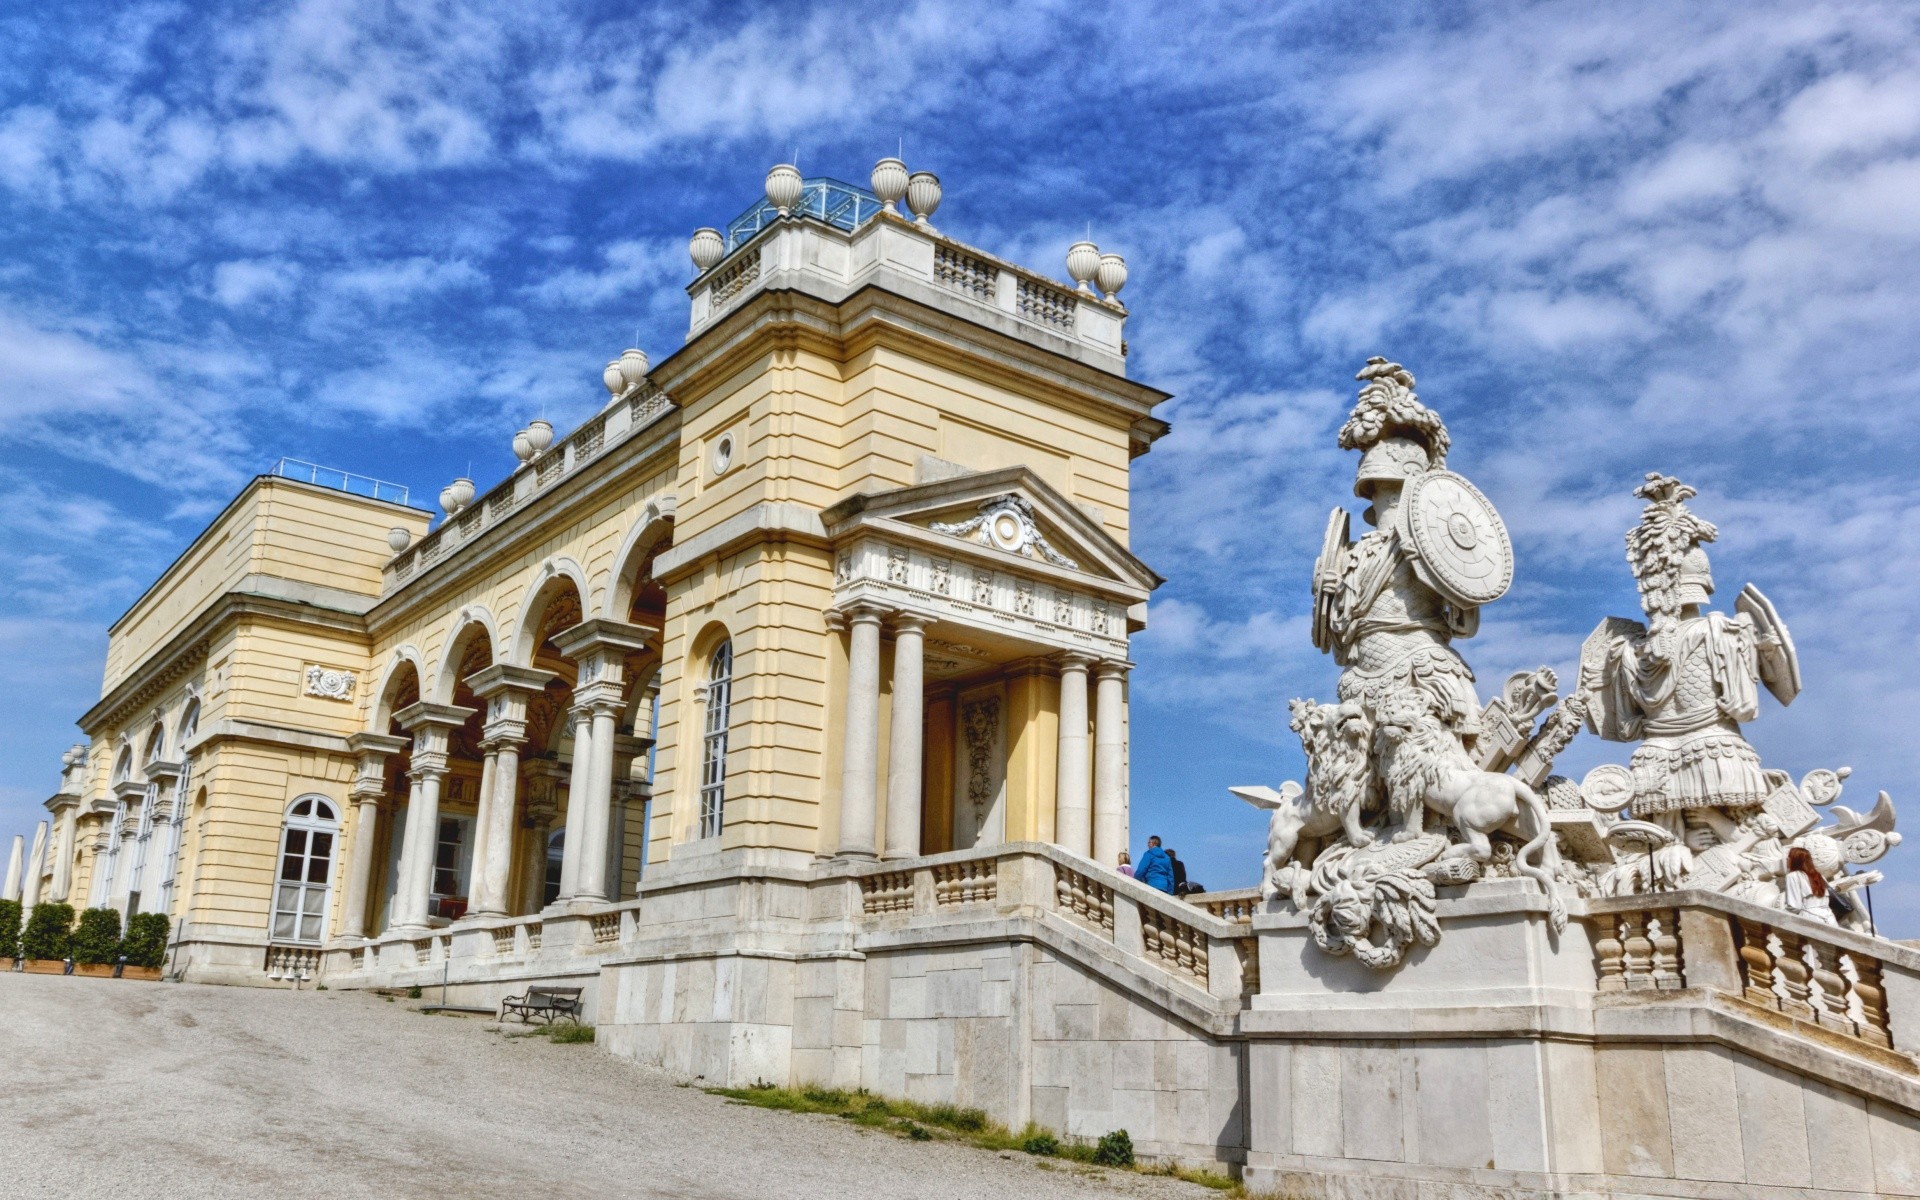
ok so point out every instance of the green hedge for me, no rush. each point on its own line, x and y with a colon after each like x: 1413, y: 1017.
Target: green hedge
x: 97, y: 940
x: 9, y: 929
x: 49, y: 932
x: 146, y: 944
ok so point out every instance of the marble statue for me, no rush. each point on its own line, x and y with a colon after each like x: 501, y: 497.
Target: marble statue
x: 1700, y: 810
x: 1354, y: 848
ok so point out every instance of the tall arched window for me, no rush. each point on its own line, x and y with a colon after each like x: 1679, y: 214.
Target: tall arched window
x: 177, y: 831
x: 306, y: 871
x: 713, y: 761
x: 143, y: 838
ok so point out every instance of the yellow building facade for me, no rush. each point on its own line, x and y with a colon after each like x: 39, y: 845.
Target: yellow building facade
x: 845, y: 578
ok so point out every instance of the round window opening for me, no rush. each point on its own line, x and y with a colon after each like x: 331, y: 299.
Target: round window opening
x: 722, y: 454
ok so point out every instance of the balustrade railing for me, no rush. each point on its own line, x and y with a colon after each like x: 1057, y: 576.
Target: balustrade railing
x: 589, y: 441
x: 505, y: 939
x: 734, y: 279
x: 1045, y: 305
x: 964, y: 273
x: 1236, y: 906
x: 1087, y: 900
x: 890, y: 892
x: 1177, y: 945
x: 297, y: 963
x: 1638, y: 950
x: 1839, y: 990
x: 606, y: 928
x: 966, y: 882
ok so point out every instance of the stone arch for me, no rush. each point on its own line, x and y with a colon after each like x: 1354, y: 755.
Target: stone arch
x: 185, y: 725
x: 155, y: 747
x: 406, y: 671
x: 650, y: 533
x: 550, y: 583
x: 469, y: 624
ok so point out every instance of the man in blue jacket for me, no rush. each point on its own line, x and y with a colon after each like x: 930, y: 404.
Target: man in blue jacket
x: 1155, y: 869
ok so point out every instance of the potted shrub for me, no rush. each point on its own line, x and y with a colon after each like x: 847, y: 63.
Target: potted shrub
x: 145, y: 945
x: 48, y: 938
x: 96, y: 942
x: 9, y: 933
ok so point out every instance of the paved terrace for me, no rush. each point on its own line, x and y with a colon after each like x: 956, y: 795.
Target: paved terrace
x: 117, y: 1088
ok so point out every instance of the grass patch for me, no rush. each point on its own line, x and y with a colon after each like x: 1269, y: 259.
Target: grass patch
x: 950, y: 1122
x: 569, y: 1034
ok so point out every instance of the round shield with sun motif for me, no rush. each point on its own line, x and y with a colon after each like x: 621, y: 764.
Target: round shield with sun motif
x: 1459, y: 537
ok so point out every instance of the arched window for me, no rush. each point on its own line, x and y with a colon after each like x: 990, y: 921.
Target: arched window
x: 713, y: 764
x: 306, y: 871
x: 170, y: 879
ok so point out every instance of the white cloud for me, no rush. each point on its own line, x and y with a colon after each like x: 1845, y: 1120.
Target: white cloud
x: 241, y: 282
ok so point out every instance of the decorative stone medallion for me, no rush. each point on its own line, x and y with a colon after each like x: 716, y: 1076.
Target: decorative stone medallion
x: 329, y: 684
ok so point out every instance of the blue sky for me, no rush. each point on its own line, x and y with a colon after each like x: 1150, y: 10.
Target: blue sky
x: 1607, y: 239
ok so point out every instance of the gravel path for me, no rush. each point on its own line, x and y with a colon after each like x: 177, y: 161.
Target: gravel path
x: 117, y: 1088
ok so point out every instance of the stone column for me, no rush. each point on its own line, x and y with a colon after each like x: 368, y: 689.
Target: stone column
x: 579, y: 783
x: 16, y: 863
x: 1110, y: 763
x: 860, y: 759
x: 1072, y: 811
x: 601, y: 648
x: 30, y: 887
x: 905, y: 749
x: 598, y: 817
x: 431, y: 725
x: 495, y: 858
x: 368, y: 794
x: 543, y: 804
x: 67, y: 829
x: 366, y: 835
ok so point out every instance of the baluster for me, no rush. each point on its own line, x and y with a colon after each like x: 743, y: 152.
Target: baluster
x: 1639, y: 951
x: 1829, y: 992
x: 1795, y: 992
x: 1867, y: 998
x: 1609, y: 955
x: 1665, y: 937
x: 1756, y: 963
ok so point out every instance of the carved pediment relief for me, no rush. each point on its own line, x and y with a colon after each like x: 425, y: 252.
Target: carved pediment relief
x: 1011, y: 511
x: 1007, y: 523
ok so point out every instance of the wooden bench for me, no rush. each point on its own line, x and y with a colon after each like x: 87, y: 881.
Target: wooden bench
x: 548, y: 1003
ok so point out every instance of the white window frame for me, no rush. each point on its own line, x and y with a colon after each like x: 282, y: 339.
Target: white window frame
x: 308, y: 824
x: 713, y: 741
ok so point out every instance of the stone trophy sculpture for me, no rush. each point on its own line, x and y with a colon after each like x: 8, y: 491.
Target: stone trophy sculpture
x: 1354, y: 848
x: 1701, y: 811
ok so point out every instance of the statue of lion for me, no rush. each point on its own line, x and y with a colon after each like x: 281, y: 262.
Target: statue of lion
x: 1424, y: 766
x: 1336, y: 740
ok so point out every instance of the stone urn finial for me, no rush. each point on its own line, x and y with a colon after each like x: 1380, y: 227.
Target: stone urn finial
x: 1111, y: 276
x: 633, y: 368
x: 540, y: 433
x: 923, y: 195
x: 784, y: 188
x: 889, y: 180
x: 398, y: 539
x: 1083, y: 261
x: 707, y: 248
x: 523, y: 447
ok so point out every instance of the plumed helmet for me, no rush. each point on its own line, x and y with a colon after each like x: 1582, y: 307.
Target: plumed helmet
x: 1392, y: 458
x: 1696, y: 577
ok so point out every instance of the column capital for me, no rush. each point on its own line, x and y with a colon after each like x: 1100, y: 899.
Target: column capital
x: 1112, y: 668
x: 909, y: 622
x: 493, y: 741
x: 422, y: 716
x: 376, y: 743
x: 1072, y: 660
x: 429, y: 767
x: 60, y: 802
x: 503, y: 678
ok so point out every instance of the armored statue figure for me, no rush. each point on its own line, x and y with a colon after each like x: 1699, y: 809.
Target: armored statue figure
x: 1382, y: 607
x: 1683, y: 684
x: 1702, y: 811
x: 1353, y: 849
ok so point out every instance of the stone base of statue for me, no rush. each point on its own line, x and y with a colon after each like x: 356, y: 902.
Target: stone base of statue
x: 1680, y: 1045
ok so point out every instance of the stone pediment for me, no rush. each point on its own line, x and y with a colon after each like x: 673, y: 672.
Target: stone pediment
x: 1006, y: 515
